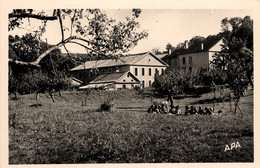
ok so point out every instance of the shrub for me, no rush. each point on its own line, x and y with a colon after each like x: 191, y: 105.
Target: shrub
x: 107, y: 106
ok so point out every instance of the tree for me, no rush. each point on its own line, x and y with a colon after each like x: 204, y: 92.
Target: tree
x: 169, y: 48
x: 196, y: 40
x: 239, y: 27
x: 90, y: 28
x: 51, y: 77
x: 235, y: 58
x: 156, y: 51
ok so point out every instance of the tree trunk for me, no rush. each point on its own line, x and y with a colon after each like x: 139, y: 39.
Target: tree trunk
x: 214, y: 102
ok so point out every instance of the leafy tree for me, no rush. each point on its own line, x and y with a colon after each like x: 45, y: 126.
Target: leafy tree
x: 169, y: 48
x: 156, y: 50
x: 196, y: 40
x: 240, y: 28
x: 235, y: 58
x: 179, y: 81
x: 90, y: 28
x: 27, y: 79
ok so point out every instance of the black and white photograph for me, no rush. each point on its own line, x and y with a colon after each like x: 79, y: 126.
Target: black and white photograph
x: 94, y: 85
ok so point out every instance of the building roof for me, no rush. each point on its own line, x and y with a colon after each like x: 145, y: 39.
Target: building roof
x: 196, y: 47
x: 112, y: 77
x: 124, y: 60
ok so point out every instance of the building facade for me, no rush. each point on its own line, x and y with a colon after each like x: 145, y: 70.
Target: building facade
x: 143, y: 66
x: 198, y: 55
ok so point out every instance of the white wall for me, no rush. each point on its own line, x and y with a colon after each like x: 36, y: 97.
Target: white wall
x: 146, y: 78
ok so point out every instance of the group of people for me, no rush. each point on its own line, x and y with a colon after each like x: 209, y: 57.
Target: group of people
x: 163, y: 108
x: 206, y: 111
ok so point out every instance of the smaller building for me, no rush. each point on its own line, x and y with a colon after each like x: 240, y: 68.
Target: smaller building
x: 76, y: 82
x: 115, y: 80
x: 197, y: 55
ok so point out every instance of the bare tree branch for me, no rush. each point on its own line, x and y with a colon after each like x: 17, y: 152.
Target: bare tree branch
x: 36, y: 62
x: 29, y: 15
x: 61, y: 26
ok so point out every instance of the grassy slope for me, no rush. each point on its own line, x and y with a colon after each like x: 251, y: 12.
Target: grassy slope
x: 66, y: 132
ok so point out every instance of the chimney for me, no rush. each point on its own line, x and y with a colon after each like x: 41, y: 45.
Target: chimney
x: 202, y: 46
x: 186, y: 45
x: 169, y: 51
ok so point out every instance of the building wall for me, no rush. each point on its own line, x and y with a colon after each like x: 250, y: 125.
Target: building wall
x: 146, y: 78
x: 217, y: 47
x: 194, y: 60
x: 127, y: 86
x: 144, y: 64
x: 148, y: 60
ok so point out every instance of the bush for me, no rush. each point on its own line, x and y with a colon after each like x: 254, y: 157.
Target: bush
x: 107, y: 106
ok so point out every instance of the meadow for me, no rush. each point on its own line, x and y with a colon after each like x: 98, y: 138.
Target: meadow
x: 73, y: 130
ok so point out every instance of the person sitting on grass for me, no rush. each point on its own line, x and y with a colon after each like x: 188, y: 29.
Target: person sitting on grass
x: 174, y: 110
x: 194, y: 110
x: 207, y: 111
x: 178, y: 110
x: 164, y: 109
x: 151, y: 109
x: 187, y: 109
x: 201, y: 111
x: 191, y: 111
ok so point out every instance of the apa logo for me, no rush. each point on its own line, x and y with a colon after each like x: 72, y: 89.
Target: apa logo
x: 232, y: 146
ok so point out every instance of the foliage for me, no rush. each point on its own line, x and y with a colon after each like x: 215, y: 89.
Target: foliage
x: 169, y: 48
x: 89, y: 28
x: 92, y: 29
x: 236, y: 56
x: 180, y: 81
x: 107, y: 106
x: 52, y: 76
x: 156, y: 51
x: 240, y: 28
x: 196, y: 40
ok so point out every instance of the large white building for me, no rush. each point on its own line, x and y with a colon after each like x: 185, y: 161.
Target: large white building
x: 141, y: 68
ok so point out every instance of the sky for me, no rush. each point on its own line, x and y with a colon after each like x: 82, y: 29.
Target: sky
x: 163, y: 25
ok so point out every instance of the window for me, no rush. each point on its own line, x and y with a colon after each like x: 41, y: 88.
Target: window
x: 190, y: 60
x: 136, y: 72
x: 143, y: 84
x: 80, y: 75
x: 156, y: 70
x: 124, y: 80
x: 183, y: 60
x: 132, y: 80
x: 150, y: 83
x: 103, y: 71
x: 143, y: 71
x: 124, y: 87
x: 109, y: 70
x: 150, y: 72
x: 162, y: 71
x: 91, y: 75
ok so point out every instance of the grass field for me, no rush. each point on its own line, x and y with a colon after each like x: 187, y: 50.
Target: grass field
x: 67, y: 132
